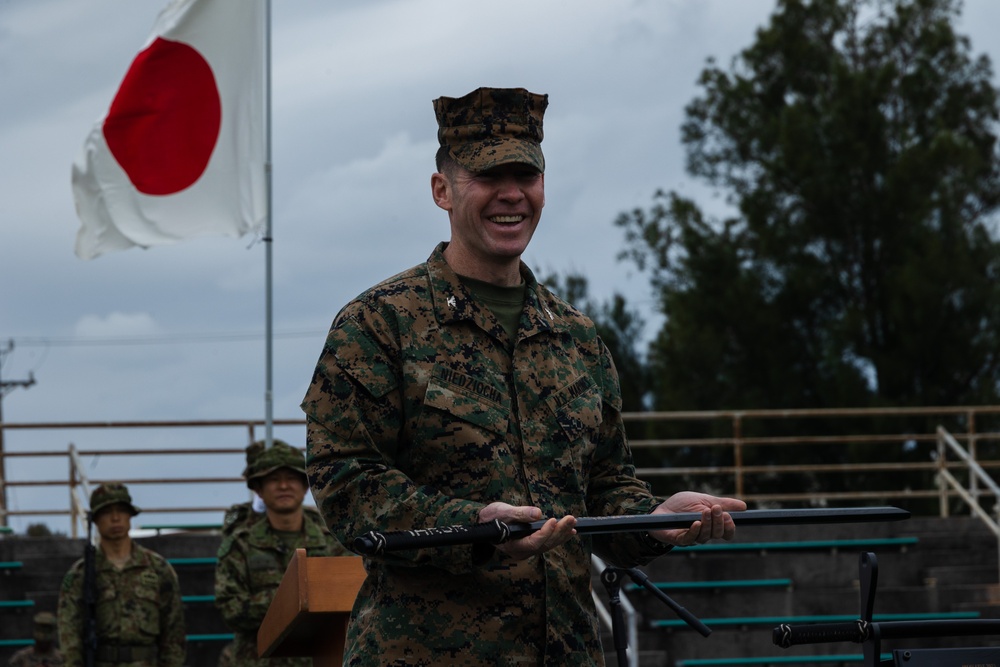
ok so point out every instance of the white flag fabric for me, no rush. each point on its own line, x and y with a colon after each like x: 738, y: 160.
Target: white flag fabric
x: 180, y: 152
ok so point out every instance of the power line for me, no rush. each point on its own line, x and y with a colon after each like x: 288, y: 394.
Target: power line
x: 158, y: 339
x: 4, y: 385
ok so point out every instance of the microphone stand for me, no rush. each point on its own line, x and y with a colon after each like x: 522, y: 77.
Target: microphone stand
x: 612, y: 578
x: 870, y: 634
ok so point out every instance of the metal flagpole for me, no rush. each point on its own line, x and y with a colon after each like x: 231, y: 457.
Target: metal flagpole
x: 268, y: 316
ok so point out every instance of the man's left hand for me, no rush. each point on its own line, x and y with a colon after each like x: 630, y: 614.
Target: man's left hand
x: 715, y: 523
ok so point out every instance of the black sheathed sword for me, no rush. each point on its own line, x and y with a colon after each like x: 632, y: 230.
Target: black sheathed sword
x: 376, y: 543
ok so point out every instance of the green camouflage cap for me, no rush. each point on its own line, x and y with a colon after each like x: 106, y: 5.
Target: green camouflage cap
x: 109, y: 494
x: 253, y: 451
x: 45, y: 626
x: 45, y: 618
x: 279, y: 455
x: 492, y: 126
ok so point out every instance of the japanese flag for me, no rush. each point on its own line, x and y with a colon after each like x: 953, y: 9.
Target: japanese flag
x: 180, y: 152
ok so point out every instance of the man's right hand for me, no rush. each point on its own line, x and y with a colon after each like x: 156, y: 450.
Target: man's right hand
x: 552, y: 534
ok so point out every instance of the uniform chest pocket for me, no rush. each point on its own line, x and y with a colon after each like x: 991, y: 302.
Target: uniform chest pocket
x: 147, y: 607
x: 462, y: 431
x: 470, y: 399
x: 265, y: 571
x: 577, y: 409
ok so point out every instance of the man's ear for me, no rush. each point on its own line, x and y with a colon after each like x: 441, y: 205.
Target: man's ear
x: 441, y: 191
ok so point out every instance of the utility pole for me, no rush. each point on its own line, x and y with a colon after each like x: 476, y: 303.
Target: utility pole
x: 5, y: 387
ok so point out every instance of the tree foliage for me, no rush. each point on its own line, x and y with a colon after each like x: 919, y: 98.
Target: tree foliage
x: 621, y: 330
x: 856, y: 261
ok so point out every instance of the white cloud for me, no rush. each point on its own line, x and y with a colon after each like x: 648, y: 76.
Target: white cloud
x: 116, y: 325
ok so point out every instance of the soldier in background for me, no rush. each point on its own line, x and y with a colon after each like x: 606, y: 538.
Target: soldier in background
x: 254, y: 554
x: 250, y: 511
x: 44, y: 653
x: 236, y: 516
x: 139, y: 616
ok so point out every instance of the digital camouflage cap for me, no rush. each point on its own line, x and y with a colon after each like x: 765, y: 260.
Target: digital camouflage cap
x: 492, y: 126
x: 279, y: 455
x: 109, y: 494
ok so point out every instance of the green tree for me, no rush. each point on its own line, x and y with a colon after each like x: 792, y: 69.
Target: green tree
x: 620, y: 327
x: 38, y: 530
x: 855, y: 262
x: 856, y: 144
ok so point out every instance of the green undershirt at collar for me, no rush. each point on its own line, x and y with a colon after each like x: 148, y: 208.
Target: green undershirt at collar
x: 506, y: 303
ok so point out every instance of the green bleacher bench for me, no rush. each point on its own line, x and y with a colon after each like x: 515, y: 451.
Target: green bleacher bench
x: 11, y: 604
x: 197, y: 598
x: 710, y: 584
x: 6, y: 530
x: 221, y: 637
x: 831, y: 618
x: 9, y: 565
x: 192, y: 561
x: 17, y: 642
x: 801, y: 545
x: 181, y: 526
x: 778, y: 659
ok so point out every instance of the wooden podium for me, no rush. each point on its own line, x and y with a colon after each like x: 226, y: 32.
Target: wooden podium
x: 309, y: 612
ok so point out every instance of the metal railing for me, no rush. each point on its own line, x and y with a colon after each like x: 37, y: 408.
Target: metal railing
x: 735, y: 442
x: 976, y: 476
x: 743, y: 446
x: 737, y: 452
x: 78, y: 483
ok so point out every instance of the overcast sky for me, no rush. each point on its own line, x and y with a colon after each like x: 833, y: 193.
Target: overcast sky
x: 176, y: 333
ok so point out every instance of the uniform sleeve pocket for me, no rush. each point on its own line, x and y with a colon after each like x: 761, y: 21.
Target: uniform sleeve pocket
x: 363, y: 360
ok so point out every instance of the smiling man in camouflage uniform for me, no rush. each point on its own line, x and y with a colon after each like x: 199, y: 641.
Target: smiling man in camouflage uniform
x: 254, y: 554
x: 462, y: 391
x: 140, y: 620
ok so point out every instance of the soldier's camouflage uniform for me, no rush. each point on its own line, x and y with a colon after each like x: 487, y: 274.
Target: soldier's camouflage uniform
x: 29, y: 657
x: 251, y: 561
x: 45, y: 637
x: 418, y: 416
x: 139, y: 615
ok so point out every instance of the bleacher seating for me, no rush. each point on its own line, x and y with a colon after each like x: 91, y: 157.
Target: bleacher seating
x: 772, y: 621
x: 186, y: 527
x: 712, y: 584
x: 943, y: 569
x: 201, y: 560
x: 803, y: 545
x: 779, y: 660
x: 928, y: 569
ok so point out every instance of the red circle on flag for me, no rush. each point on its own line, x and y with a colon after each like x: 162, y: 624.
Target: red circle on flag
x: 164, y: 121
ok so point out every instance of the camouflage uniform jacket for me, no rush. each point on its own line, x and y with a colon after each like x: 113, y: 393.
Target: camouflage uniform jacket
x: 251, y: 561
x: 29, y: 657
x: 418, y: 416
x: 137, y: 605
